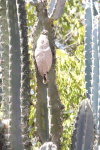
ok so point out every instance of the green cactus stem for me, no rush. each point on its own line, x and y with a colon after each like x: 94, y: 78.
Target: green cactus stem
x: 15, y: 77
x: 95, y: 62
x: 56, y: 9
x: 99, y: 82
x: 47, y: 93
x: 42, y: 119
x: 25, y: 82
x: 4, y: 45
x: 88, y: 48
x: 84, y: 133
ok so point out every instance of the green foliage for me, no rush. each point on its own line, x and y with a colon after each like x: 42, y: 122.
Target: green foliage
x: 69, y: 28
x: 31, y: 16
x: 70, y: 81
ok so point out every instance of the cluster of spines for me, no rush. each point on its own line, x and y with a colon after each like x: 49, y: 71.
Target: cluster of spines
x: 25, y: 81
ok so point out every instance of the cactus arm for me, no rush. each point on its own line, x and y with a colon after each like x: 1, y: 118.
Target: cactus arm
x: 51, y: 7
x: 25, y: 82
x: 42, y: 120
x: 56, y: 9
x: 0, y: 65
x: 54, y: 102
x: 80, y: 122
x: 4, y: 45
x: 84, y: 132
x: 99, y: 82
x: 42, y: 111
x: 46, y: 92
x: 88, y: 48
x: 55, y: 106
x: 89, y: 132
x: 95, y: 66
x: 15, y: 77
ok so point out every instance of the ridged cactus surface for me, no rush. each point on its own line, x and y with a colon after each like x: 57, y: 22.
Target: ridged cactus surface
x: 14, y: 76
x: 95, y: 61
x: 88, y: 48
x: 91, y: 55
x: 4, y: 45
x: 99, y: 81
x: 15, y: 73
x: 25, y: 81
x: 56, y: 9
x: 84, y: 132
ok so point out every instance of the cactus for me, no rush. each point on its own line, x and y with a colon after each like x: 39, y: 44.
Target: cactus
x: 84, y: 132
x: 95, y: 65
x: 88, y: 108
x: 81, y: 130
x: 4, y: 45
x: 15, y: 73
x: 15, y: 79
x: 48, y: 117
x: 56, y: 9
x: 25, y: 81
x: 88, y: 48
x: 99, y: 82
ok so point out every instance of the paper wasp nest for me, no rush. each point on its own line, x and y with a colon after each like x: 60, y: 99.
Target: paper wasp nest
x: 43, y: 56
